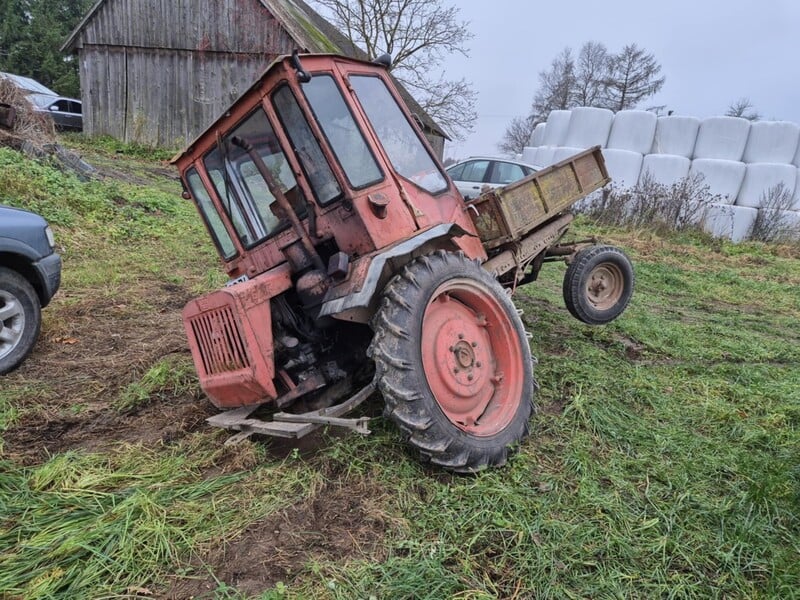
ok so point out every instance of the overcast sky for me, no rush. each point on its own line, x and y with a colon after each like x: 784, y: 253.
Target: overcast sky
x: 712, y: 52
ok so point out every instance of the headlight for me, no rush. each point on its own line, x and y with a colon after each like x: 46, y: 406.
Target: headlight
x: 50, y: 237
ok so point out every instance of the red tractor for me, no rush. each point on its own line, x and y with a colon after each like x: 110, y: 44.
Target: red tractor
x: 355, y: 265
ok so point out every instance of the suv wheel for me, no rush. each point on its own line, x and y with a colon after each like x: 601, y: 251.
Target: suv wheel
x: 20, y: 319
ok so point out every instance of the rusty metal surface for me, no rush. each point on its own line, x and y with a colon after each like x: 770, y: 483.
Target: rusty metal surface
x: 230, y: 338
x: 509, y: 213
x: 529, y: 246
x: 290, y: 425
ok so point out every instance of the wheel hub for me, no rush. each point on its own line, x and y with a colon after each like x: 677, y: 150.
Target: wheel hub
x: 604, y: 286
x: 465, y: 357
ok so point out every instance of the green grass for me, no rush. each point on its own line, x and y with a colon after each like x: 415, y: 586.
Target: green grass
x: 169, y: 377
x: 664, y: 461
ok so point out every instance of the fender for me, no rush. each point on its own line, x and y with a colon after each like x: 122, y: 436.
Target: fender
x: 12, y: 246
x: 42, y: 271
x: 354, y: 299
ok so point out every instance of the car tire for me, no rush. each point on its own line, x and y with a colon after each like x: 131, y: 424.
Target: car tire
x: 20, y: 319
x: 598, y: 284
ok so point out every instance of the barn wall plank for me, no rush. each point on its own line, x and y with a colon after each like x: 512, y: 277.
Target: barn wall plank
x: 173, y: 96
x: 239, y: 26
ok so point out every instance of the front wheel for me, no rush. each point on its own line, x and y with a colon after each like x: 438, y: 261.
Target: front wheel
x: 598, y: 284
x: 453, y: 363
x: 20, y: 319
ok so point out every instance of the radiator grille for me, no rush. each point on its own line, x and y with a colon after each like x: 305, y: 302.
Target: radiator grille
x: 219, y: 341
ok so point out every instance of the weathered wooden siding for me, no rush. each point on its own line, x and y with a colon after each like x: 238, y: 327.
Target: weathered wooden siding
x: 238, y: 26
x: 160, y: 71
x: 161, y: 97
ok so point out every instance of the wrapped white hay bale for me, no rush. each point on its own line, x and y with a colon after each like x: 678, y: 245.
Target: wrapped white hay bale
x: 556, y: 130
x: 586, y: 203
x: 676, y: 135
x: 791, y: 221
x: 772, y: 142
x: 633, y: 130
x: 623, y: 166
x: 764, y: 182
x: 565, y: 152
x: 545, y: 156
x: 722, y: 137
x: 665, y: 169
x: 797, y: 157
x: 796, y: 197
x: 723, y: 177
x: 588, y: 127
x: 732, y: 222
x: 776, y: 225
x: 529, y: 155
x: 537, y: 137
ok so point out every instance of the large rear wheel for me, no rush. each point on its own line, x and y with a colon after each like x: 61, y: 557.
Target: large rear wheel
x: 453, y: 363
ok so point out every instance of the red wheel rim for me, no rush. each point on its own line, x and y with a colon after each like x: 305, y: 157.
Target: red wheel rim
x: 472, y: 358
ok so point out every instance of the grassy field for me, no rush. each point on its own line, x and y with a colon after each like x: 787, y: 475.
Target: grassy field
x: 664, y: 461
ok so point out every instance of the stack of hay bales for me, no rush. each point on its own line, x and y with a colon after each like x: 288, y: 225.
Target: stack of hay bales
x: 739, y: 162
x: 765, y: 168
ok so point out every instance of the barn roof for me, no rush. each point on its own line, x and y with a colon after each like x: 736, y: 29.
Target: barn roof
x: 307, y: 28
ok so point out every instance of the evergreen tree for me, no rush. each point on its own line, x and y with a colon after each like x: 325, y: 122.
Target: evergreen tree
x: 31, y: 35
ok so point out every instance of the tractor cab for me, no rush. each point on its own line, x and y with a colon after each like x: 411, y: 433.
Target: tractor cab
x: 318, y: 164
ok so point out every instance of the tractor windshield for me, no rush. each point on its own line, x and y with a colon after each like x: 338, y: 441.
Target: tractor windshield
x: 402, y: 144
x: 341, y: 131
x: 245, y: 195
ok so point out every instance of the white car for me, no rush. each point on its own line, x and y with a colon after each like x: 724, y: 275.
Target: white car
x: 479, y: 173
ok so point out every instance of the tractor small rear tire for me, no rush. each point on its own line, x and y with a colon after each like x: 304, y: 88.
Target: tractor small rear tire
x: 598, y: 284
x: 453, y: 363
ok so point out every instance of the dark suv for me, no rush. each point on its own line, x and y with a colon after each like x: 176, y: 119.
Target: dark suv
x: 30, y: 273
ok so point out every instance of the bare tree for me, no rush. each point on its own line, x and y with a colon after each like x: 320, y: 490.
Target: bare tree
x: 598, y: 78
x: 743, y: 108
x: 418, y: 34
x: 556, y: 86
x: 633, y: 76
x: 517, y: 135
x: 592, y: 74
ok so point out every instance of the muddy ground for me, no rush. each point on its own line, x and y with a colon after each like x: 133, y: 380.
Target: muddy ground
x: 78, y: 367
x: 91, y: 348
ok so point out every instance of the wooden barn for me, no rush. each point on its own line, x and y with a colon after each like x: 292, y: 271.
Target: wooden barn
x: 158, y: 72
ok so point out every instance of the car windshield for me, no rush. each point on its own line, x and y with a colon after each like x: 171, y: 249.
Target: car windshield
x: 28, y: 84
x: 42, y: 100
